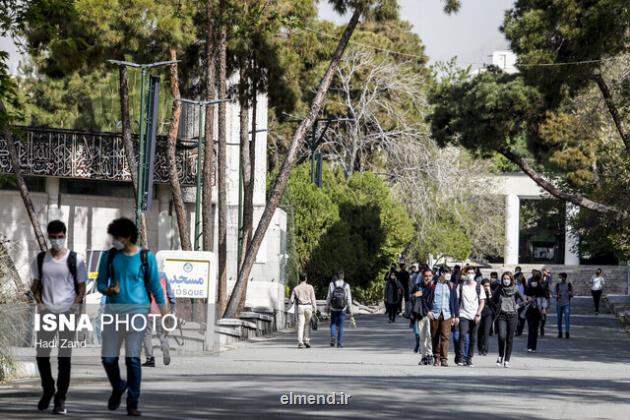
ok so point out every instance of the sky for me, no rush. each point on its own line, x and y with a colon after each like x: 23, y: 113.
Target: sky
x: 471, y: 35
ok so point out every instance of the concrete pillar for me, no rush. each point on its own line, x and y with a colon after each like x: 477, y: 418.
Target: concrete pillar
x: 571, y: 240
x: 165, y: 223
x: 52, y: 190
x: 512, y: 226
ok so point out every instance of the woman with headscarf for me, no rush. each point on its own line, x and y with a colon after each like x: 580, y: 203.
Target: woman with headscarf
x: 536, y: 308
x: 506, y: 310
x: 393, y: 294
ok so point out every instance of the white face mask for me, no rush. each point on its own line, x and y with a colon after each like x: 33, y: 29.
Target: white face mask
x: 118, y: 244
x: 506, y: 282
x: 57, y: 244
x: 447, y: 276
x: 470, y: 277
x: 534, y: 283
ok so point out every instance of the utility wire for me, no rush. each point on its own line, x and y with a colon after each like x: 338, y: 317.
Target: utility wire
x: 386, y: 50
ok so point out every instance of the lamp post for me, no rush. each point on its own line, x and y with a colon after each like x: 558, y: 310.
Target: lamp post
x: 200, y: 152
x: 144, y: 69
x: 314, y: 142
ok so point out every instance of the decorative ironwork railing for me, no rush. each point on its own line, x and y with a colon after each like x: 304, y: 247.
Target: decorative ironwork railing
x: 85, y: 155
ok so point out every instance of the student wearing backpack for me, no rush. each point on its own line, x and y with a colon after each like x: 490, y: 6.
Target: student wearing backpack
x: 536, y: 308
x: 443, y: 312
x: 471, y: 304
x: 564, y: 294
x: 127, y: 275
x: 338, y: 301
x: 59, y: 277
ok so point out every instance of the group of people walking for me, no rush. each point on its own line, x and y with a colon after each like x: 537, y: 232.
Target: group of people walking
x: 128, y: 278
x: 464, y: 307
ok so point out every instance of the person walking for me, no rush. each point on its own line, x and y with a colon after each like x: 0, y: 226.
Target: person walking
x: 521, y: 283
x: 303, y: 296
x: 506, y: 309
x: 58, y: 286
x: 338, y: 302
x: 564, y: 294
x: 471, y: 304
x: 443, y: 312
x: 597, y: 287
x: 464, y: 275
x: 536, y: 308
x: 487, y: 318
x: 393, y: 296
x: 161, y: 334
x: 546, y: 285
x: 422, y: 324
x: 127, y: 275
x: 403, y: 277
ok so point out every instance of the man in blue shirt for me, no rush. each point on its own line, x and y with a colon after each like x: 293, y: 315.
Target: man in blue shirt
x: 126, y: 275
x: 443, y: 306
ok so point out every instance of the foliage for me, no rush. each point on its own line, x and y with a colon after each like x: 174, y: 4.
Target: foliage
x: 355, y: 226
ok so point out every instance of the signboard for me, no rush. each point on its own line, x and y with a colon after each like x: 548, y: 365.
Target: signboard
x: 191, y: 274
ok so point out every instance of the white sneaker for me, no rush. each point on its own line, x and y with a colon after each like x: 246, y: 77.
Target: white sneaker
x: 506, y: 365
x: 499, y: 361
x: 529, y: 350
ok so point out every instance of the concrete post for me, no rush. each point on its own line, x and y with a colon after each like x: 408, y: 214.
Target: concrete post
x: 571, y: 240
x: 52, y: 190
x: 512, y: 226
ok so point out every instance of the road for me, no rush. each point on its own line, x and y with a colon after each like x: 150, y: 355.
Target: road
x: 585, y: 377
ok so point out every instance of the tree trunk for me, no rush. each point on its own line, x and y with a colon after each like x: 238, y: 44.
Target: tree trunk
x: 129, y: 147
x: 548, y: 186
x: 221, y: 163
x: 208, y: 162
x: 26, y: 198
x: 283, y: 177
x: 173, y: 176
x: 613, y: 110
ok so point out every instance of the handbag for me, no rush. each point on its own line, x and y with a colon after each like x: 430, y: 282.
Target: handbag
x: 314, y: 322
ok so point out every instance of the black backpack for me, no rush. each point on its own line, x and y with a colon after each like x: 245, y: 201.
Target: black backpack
x: 72, y: 267
x: 144, y: 258
x: 338, y: 298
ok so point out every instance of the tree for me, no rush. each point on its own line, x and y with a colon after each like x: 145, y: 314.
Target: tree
x: 208, y: 162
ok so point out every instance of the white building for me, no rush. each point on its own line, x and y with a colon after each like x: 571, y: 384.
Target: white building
x: 82, y: 179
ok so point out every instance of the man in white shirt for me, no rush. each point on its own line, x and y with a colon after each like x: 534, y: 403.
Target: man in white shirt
x: 597, y: 288
x: 471, y: 303
x: 59, y: 277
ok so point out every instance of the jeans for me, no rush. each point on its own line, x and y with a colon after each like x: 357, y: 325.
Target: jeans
x: 507, y: 326
x: 597, y: 295
x: 533, y: 322
x: 564, y: 311
x: 456, y: 348
x: 483, y: 332
x: 110, y: 351
x: 305, y: 312
x: 64, y: 353
x: 336, y: 325
x: 467, y: 338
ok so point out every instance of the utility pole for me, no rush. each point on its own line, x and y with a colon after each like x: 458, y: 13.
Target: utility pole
x: 144, y: 70
x: 200, y: 151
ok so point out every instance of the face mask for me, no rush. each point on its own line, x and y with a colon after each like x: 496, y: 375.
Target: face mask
x: 470, y: 276
x: 506, y: 282
x: 534, y: 284
x: 447, y: 276
x: 118, y: 245
x: 57, y: 244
